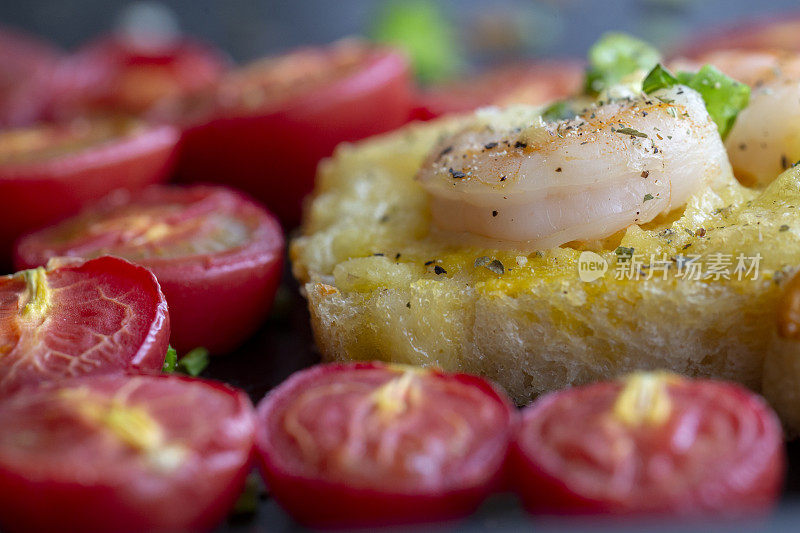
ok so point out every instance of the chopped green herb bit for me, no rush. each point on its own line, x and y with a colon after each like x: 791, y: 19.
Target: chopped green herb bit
x: 170, y: 360
x: 615, y: 56
x: 482, y: 261
x: 648, y: 196
x: 631, y: 131
x: 495, y: 265
x: 624, y: 253
x: 784, y: 228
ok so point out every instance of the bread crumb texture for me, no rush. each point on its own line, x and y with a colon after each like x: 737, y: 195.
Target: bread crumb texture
x: 383, y: 285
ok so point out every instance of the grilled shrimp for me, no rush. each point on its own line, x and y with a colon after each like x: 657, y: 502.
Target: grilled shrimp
x: 765, y: 140
x: 617, y: 164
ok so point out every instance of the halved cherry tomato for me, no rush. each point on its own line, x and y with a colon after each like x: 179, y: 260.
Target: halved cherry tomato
x: 650, y: 444
x: 271, y: 122
x: 532, y: 83
x: 123, y: 453
x: 119, y: 74
x: 770, y: 33
x: 216, y: 254
x: 50, y: 172
x: 25, y: 62
x: 366, y: 444
x: 98, y: 317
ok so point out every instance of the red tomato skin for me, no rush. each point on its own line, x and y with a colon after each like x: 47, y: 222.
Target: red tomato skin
x: 150, y: 354
x: 319, y: 503
x: 93, y: 79
x: 542, y: 491
x: 33, y: 195
x: 273, y: 155
x: 533, y: 83
x: 215, y: 301
x: 219, y: 307
x: 61, y: 501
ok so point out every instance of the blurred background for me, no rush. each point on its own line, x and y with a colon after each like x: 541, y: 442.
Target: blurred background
x: 482, y: 30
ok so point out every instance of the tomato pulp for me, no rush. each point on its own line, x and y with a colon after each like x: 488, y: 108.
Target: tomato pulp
x: 654, y: 444
x: 367, y: 444
x: 120, y: 74
x: 123, y: 453
x: 271, y: 122
x: 216, y: 253
x: 52, y: 171
x: 102, y: 316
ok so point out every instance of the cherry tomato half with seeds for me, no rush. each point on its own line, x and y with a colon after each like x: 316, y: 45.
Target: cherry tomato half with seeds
x: 217, y: 255
x: 651, y: 444
x: 95, y: 317
x: 533, y: 83
x: 270, y: 122
x: 367, y: 444
x: 126, y: 74
x: 123, y: 453
x: 50, y: 172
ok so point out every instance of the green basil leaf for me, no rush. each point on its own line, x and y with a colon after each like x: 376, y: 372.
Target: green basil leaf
x: 615, y: 56
x: 425, y: 34
x: 724, y: 97
x: 658, y: 78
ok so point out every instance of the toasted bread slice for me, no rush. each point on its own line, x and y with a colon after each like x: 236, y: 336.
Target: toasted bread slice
x: 382, y: 285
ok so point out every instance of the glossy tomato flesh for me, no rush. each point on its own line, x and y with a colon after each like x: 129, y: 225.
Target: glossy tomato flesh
x: 98, y: 317
x: 217, y: 255
x: 123, y: 453
x: 50, y: 172
x: 272, y: 122
x: 534, y: 83
x: 367, y: 444
x: 715, y: 449
x: 119, y: 74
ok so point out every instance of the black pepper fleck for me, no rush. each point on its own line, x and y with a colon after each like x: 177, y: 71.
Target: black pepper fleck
x: 457, y: 174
